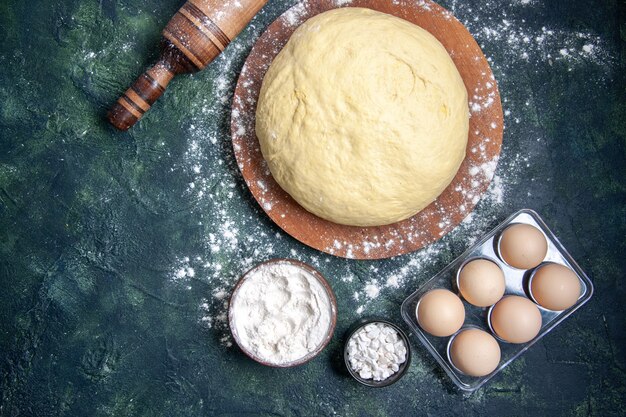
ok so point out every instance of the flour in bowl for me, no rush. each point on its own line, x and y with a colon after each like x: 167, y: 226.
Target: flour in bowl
x: 281, y: 313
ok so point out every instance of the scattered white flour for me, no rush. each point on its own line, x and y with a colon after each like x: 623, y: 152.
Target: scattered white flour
x: 238, y: 235
x: 521, y: 42
x: 372, y: 290
x: 281, y: 313
x: 294, y: 15
x: 376, y: 351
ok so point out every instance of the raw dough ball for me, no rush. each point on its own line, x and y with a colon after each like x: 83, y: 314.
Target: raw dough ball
x: 363, y: 117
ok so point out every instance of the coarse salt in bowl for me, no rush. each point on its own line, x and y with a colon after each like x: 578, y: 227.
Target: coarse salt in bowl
x: 282, y: 313
x: 352, y: 339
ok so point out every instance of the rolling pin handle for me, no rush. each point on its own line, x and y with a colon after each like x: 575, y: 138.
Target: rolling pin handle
x: 138, y: 99
x: 197, y: 33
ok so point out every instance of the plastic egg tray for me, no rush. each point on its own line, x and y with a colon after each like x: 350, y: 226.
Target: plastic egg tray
x: 516, y: 284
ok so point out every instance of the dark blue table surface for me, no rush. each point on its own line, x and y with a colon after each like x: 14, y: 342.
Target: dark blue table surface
x: 118, y: 250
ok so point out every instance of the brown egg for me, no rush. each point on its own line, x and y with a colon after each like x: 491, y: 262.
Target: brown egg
x: 475, y: 352
x: 515, y: 319
x: 523, y: 246
x: 440, y: 312
x: 481, y: 282
x: 555, y: 287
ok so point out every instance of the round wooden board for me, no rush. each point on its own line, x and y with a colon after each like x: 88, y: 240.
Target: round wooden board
x: 440, y: 217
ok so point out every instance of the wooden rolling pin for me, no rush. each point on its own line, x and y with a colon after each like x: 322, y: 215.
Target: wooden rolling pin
x: 197, y: 33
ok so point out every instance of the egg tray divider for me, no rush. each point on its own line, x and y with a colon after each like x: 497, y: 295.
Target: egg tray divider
x: 516, y: 281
